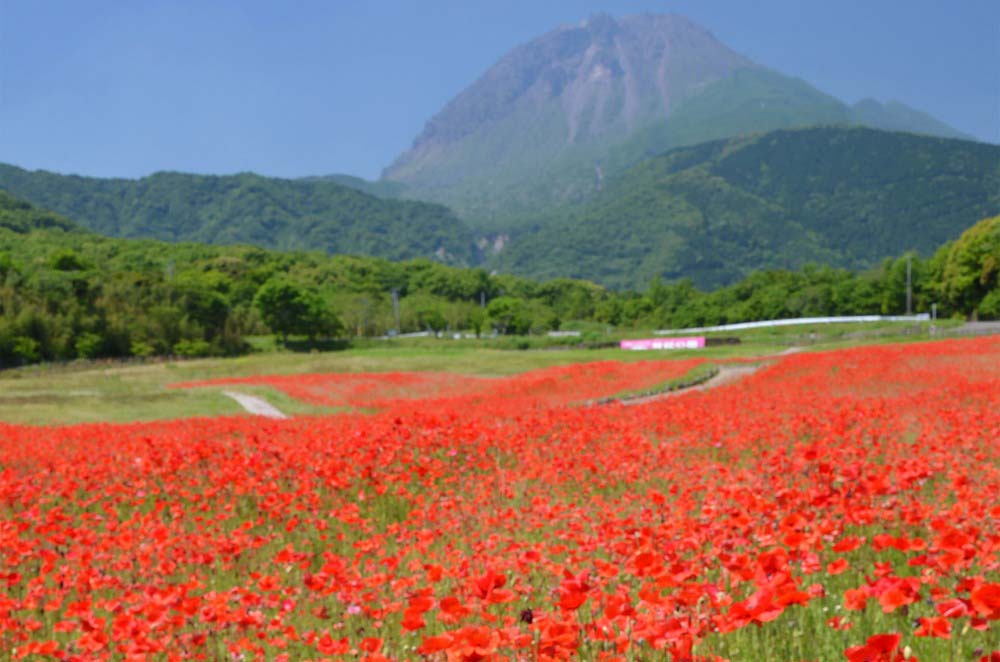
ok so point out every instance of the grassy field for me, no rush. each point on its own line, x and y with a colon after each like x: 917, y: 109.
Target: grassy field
x: 116, y: 392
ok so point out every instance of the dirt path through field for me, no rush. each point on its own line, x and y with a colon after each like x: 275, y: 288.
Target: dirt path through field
x: 255, y: 405
x: 727, y: 373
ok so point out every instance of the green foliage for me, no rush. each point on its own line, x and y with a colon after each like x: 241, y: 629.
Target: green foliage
x: 141, y: 349
x: 290, y: 308
x: 718, y: 211
x: 192, y: 348
x: 27, y: 349
x: 310, y: 214
x: 68, y: 294
x: 202, y: 297
x: 971, y: 278
x: 509, y: 315
x: 989, y: 307
x: 713, y: 212
x: 67, y: 260
x: 429, y: 316
x: 19, y: 216
x: 88, y: 345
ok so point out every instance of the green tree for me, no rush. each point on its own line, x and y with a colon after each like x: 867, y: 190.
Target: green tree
x: 972, y: 268
x: 431, y: 318
x: 989, y: 307
x: 192, y: 348
x: 68, y: 260
x: 609, y: 311
x: 88, y: 345
x: 477, y: 319
x: 27, y: 349
x: 290, y: 308
x: 509, y: 315
x: 200, y: 299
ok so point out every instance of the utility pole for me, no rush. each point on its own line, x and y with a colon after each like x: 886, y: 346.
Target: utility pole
x: 909, y: 287
x: 363, y: 329
x: 482, y: 298
x: 395, y: 307
x: 168, y: 271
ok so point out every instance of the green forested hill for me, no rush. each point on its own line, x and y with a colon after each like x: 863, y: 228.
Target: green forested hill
x: 845, y: 197
x: 248, y: 208
x: 712, y: 212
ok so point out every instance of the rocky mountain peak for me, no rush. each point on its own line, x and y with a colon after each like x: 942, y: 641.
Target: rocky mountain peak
x: 603, y: 75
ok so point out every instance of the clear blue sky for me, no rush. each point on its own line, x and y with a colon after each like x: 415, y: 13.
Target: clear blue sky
x: 291, y: 88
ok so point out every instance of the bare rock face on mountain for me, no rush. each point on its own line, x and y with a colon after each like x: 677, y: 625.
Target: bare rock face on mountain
x: 561, y: 100
x: 603, y: 76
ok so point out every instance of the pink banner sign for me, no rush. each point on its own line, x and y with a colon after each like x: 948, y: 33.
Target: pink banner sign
x: 696, y: 342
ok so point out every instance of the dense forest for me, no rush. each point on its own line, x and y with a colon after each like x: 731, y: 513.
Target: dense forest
x: 66, y: 293
x: 284, y: 214
x: 716, y: 212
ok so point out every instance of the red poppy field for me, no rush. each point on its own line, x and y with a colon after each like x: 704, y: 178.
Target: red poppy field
x: 564, y: 385
x: 831, y: 506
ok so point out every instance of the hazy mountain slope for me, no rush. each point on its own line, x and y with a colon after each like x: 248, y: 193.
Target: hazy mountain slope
x: 554, y: 118
x: 896, y: 116
x: 247, y: 208
x: 749, y: 101
x: 714, y: 212
x: 381, y: 188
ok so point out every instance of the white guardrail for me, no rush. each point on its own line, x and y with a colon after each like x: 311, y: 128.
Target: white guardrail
x: 922, y: 317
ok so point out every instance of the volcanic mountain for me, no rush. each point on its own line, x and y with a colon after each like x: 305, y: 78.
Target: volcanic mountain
x: 554, y: 117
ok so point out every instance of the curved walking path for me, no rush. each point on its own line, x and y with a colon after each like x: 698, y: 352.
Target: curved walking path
x: 727, y: 373
x: 255, y: 405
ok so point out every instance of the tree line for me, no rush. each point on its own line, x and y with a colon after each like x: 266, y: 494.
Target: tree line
x: 67, y: 294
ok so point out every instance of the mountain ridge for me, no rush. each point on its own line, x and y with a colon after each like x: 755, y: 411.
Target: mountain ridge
x: 834, y: 195
x: 713, y: 212
x: 249, y: 208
